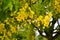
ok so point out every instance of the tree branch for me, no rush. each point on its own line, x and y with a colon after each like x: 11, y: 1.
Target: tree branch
x: 40, y: 32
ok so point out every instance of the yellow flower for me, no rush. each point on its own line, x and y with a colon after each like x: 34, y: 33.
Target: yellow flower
x: 38, y: 24
x: 6, y: 38
x: 23, y: 9
x: 46, y: 25
x: 40, y: 18
x: 31, y: 16
x: 32, y: 21
x: 12, y: 20
x: 31, y: 13
x: 49, y: 14
x: 57, y: 6
x: 9, y: 33
x: 22, y: 16
x: 56, y: 2
x: 13, y: 29
x: 5, y: 31
x: 46, y: 21
x: 7, y: 21
x: 1, y: 27
x: 47, y: 18
x: 26, y: 5
x: 12, y: 14
x: 33, y: 37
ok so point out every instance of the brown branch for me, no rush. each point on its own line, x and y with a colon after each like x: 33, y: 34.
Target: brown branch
x: 40, y: 32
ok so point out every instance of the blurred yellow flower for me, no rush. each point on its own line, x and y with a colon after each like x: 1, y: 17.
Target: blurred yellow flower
x: 13, y: 29
x: 49, y: 14
x: 9, y: 33
x: 1, y: 27
x: 33, y: 38
x: 7, y: 21
x: 56, y: 2
x: 22, y: 16
x: 46, y: 20
x: 32, y: 21
x: 38, y: 24
x: 57, y: 6
x: 31, y: 13
x: 40, y: 18
x: 26, y: 5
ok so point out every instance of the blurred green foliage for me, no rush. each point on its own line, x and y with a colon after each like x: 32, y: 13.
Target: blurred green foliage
x: 19, y: 19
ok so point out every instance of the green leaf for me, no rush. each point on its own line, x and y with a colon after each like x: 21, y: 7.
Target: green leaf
x: 16, y: 5
x: 5, y: 4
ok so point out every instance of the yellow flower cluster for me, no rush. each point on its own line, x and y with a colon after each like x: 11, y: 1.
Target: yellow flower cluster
x: 3, y: 31
x: 6, y: 29
x: 9, y: 33
x: 40, y: 18
x: 12, y: 29
x: 47, y: 18
x: 31, y: 13
x: 1, y: 27
x: 57, y: 6
x: 22, y: 15
x: 6, y: 20
x: 44, y: 19
x: 38, y: 24
x: 9, y: 21
x: 6, y: 34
